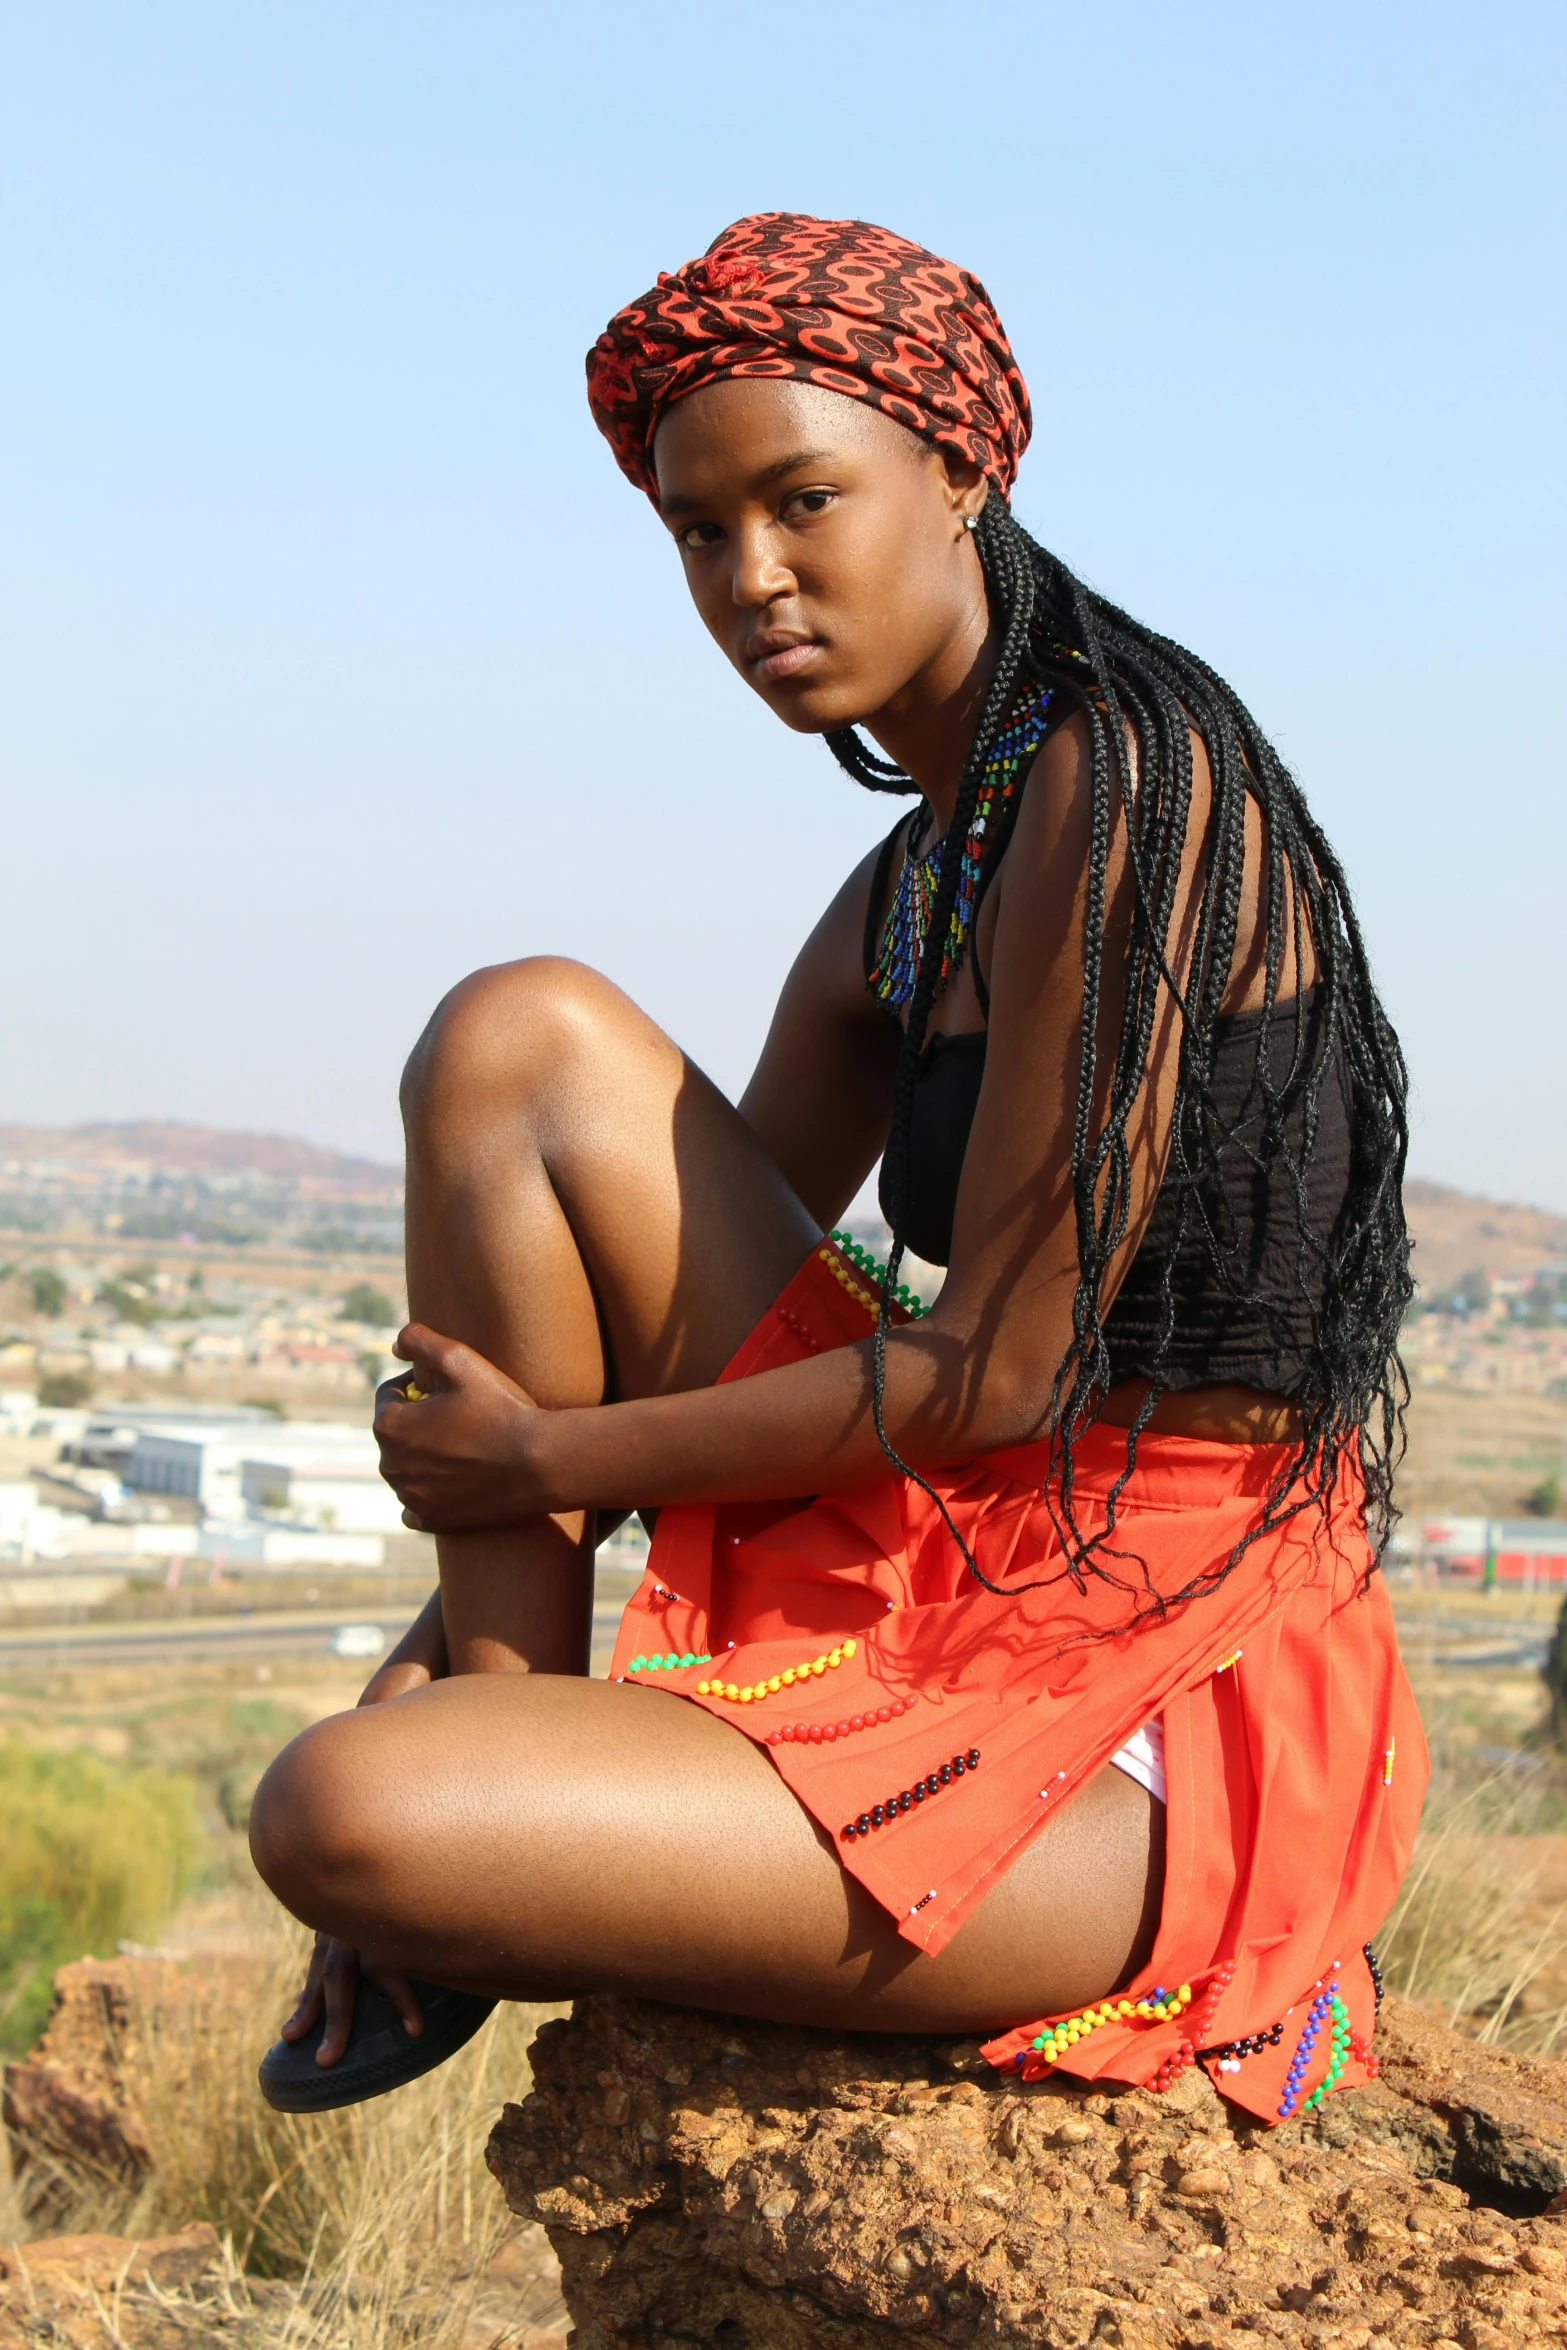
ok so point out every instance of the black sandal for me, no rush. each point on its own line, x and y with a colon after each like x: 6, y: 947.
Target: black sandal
x: 380, y: 2054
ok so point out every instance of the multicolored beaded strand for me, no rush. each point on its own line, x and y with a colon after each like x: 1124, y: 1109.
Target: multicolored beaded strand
x: 1344, y: 2042
x: 908, y: 921
x: 1230, y: 2055
x: 1159, y: 2006
x: 1201, y: 2024
x: 875, y: 1271
x: 754, y: 1692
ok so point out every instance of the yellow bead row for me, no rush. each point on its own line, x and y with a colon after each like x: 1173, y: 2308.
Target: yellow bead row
x: 787, y: 1679
x: 1058, y: 2038
x: 845, y: 1280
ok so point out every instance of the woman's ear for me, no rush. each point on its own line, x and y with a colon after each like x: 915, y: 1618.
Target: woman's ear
x: 968, y: 486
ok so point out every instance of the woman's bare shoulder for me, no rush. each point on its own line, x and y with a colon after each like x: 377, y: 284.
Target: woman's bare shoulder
x: 833, y: 956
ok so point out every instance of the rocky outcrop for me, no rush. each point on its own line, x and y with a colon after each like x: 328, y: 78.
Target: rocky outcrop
x: 131, y: 2043
x: 151, y: 2293
x: 706, y: 2180
x: 68, y: 2100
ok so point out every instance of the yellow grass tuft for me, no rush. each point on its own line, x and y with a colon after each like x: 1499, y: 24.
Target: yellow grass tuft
x: 383, y: 2218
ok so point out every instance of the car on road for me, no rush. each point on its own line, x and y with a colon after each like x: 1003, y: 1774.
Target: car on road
x: 358, y: 1640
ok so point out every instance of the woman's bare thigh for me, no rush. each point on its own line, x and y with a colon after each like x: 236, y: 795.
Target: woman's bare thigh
x: 539, y: 1836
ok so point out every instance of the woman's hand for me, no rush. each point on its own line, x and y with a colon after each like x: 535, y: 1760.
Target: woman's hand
x: 459, y: 1440
x: 331, y: 1983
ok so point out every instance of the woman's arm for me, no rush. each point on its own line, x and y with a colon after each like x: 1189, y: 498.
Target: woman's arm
x: 977, y: 1372
x: 821, y: 1096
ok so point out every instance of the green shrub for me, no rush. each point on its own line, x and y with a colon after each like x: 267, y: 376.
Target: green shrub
x: 364, y: 1303
x: 91, y: 1852
x: 48, y: 1288
x: 65, y: 1391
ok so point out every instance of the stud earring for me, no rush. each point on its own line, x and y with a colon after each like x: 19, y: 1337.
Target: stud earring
x: 971, y: 522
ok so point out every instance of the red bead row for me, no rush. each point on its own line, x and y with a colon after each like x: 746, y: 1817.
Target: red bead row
x: 1360, y: 2050
x: 823, y: 1733
x: 1185, y: 2051
x: 792, y: 1321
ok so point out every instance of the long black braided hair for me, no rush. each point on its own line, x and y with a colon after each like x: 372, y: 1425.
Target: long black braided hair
x: 1129, y: 682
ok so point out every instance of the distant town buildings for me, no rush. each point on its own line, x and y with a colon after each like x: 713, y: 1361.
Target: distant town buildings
x: 1492, y: 1333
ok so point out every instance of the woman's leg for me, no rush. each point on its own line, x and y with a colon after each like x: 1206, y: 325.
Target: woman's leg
x: 538, y: 1836
x: 592, y: 1215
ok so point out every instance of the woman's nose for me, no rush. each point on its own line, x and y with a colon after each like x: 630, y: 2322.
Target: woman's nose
x: 758, y: 575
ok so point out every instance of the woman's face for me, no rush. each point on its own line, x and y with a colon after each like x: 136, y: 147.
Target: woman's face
x: 824, y: 546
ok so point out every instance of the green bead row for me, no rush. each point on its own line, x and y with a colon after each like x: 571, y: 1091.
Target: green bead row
x: 876, y: 1273
x: 1339, y: 2045
x: 665, y: 1664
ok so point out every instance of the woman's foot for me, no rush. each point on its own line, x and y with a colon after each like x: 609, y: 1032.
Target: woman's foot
x: 381, y: 2053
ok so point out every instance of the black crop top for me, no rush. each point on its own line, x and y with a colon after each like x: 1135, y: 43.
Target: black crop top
x: 1248, y: 1319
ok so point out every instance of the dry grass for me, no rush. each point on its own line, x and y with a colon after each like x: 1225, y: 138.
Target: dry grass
x: 1480, y: 1926
x: 384, y: 2217
x: 374, y: 2229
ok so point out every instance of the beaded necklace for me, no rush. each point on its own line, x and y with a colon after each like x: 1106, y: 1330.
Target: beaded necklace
x: 908, y: 921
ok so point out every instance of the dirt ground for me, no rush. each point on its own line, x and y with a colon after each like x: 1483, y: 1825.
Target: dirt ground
x: 1480, y: 1454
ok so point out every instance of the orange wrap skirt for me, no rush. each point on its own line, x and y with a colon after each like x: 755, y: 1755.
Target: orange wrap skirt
x: 933, y: 1729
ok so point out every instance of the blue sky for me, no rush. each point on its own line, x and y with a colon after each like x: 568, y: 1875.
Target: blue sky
x: 336, y: 658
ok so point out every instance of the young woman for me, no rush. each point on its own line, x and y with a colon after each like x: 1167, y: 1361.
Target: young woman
x: 1033, y: 1676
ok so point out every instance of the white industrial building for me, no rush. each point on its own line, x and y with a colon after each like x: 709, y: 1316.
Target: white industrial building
x: 107, y: 1437
x: 336, y: 1487
x: 205, y: 1462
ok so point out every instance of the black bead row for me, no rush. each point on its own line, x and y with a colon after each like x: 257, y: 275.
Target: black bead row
x: 907, y: 1797
x: 1376, y: 1976
x: 1252, y: 2045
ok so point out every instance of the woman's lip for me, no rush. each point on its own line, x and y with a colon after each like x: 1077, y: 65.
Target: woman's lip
x: 787, y: 662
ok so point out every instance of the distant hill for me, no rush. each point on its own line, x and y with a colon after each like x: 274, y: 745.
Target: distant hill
x: 1456, y: 1233
x: 177, y: 1149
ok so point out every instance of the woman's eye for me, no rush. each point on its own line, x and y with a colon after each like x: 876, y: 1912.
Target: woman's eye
x: 699, y: 534
x: 809, y: 502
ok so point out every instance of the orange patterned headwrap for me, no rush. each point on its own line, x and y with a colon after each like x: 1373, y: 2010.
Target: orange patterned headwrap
x: 832, y: 302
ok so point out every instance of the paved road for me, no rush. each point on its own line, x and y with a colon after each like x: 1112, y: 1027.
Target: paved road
x: 261, y: 1636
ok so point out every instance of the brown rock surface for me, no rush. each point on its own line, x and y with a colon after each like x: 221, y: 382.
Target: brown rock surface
x: 707, y: 2180
x: 71, y: 2113
x: 124, y: 2293
x: 68, y: 2098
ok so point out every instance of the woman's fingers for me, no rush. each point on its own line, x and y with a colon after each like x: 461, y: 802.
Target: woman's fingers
x: 308, y: 2005
x: 333, y: 1982
x: 456, y: 1437
x: 400, y: 1992
x: 437, y: 1361
x: 341, y: 1984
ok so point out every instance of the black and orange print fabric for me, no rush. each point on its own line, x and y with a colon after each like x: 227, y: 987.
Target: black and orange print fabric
x: 838, y: 303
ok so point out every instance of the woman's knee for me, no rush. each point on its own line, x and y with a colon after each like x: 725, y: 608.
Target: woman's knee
x: 501, y: 1033
x: 319, y: 1824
